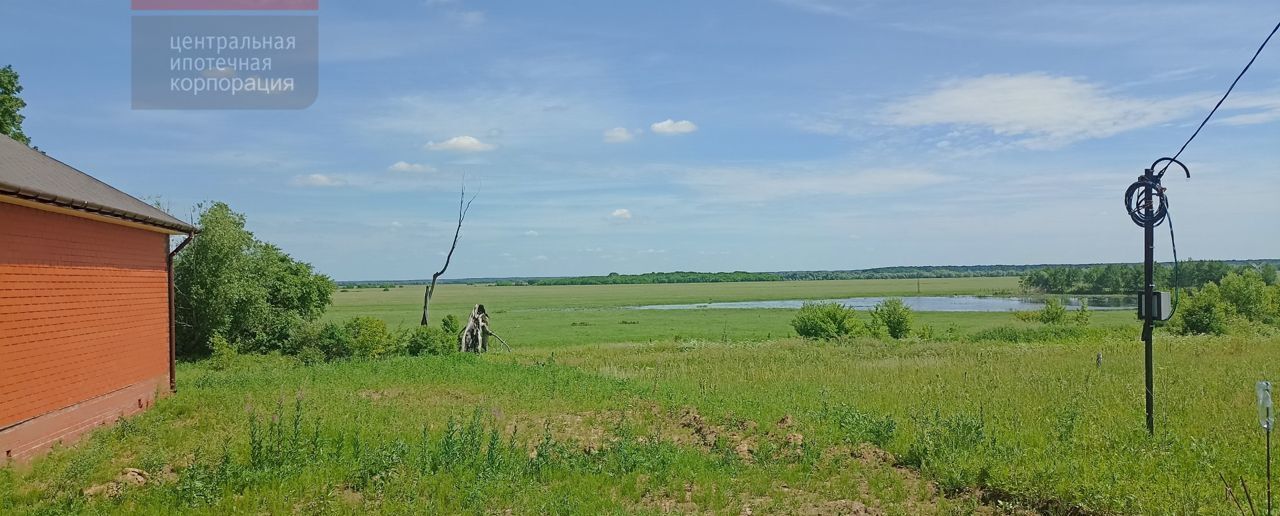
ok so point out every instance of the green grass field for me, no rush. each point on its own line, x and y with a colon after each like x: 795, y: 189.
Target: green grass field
x: 715, y: 411
x: 568, y: 315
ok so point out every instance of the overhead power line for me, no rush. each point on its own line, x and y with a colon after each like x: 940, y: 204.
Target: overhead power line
x: 1224, y: 95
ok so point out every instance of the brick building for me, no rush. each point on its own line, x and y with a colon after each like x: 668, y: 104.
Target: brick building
x: 86, y: 320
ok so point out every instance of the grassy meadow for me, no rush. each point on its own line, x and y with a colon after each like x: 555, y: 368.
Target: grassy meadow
x: 603, y: 409
x: 537, y: 316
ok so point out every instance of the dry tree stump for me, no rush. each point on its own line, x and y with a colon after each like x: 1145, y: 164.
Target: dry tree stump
x: 475, y: 336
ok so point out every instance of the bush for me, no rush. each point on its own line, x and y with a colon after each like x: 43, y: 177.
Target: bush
x: 1247, y: 294
x: 827, y: 321
x: 317, y: 342
x: 451, y: 325
x: 894, y: 316
x: 224, y: 354
x: 429, y: 340
x: 1053, y: 312
x: 1202, y: 312
x: 370, y: 338
x: 1082, y: 314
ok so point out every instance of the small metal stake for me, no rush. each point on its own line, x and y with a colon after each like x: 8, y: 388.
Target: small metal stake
x: 1267, y: 419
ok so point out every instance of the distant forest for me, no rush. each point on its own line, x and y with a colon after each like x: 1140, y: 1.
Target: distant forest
x: 1127, y: 278
x: 658, y: 277
x: 1081, y: 278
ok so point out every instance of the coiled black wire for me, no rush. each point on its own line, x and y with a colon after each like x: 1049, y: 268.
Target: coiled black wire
x: 1137, y: 207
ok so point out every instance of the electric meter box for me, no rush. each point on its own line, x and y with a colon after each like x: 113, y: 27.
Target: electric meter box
x: 1163, y: 306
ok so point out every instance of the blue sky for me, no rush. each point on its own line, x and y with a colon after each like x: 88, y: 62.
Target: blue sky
x: 651, y: 136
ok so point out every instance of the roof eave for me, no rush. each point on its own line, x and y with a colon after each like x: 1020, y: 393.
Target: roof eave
x: 88, y: 207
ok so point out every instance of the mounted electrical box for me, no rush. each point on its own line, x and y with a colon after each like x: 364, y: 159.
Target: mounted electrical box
x: 1163, y: 309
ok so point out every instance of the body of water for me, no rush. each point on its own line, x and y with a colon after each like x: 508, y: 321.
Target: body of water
x: 922, y: 303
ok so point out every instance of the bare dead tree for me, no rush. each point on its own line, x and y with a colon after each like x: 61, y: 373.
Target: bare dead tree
x: 464, y: 206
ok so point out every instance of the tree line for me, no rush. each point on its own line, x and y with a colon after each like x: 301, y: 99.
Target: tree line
x: 1127, y: 278
x: 656, y: 277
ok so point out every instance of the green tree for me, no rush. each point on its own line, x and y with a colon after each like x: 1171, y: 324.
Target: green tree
x: 247, y: 291
x: 1268, y: 273
x: 894, y: 316
x: 10, y: 105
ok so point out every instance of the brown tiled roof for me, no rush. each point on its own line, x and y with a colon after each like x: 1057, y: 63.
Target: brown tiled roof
x: 28, y: 174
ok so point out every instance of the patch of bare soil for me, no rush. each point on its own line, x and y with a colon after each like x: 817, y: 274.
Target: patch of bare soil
x: 128, y: 477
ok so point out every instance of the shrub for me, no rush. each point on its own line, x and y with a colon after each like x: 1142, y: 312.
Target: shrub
x: 320, y: 342
x: 224, y: 354
x: 311, y: 356
x: 1246, y: 294
x: 894, y: 316
x: 451, y: 325
x: 429, y: 340
x: 826, y: 321
x: 1082, y: 314
x: 1202, y: 312
x: 1053, y: 312
x: 370, y: 338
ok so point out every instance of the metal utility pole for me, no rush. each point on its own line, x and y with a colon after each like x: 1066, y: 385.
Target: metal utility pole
x: 1148, y: 294
x: 1148, y: 207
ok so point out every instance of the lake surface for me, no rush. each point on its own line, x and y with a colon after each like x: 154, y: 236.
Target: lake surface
x: 922, y: 303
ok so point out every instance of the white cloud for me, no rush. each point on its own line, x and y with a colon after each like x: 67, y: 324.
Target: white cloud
x: 670, y: 126
x: 531, y: 233
x: 620, y: 135
x: 461, y: 144
x: 405, y: 166
x: 318, y: 180
x: 1037, y: 109
x: 1266, y: 109
x: 621, y: 213
x: 540, y: 258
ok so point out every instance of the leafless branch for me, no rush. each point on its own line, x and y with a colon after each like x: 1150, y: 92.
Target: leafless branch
x: 464, y: 206
x: 500, y: 339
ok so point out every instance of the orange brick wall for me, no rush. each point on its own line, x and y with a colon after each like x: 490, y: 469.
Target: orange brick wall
x: 83, y: 310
